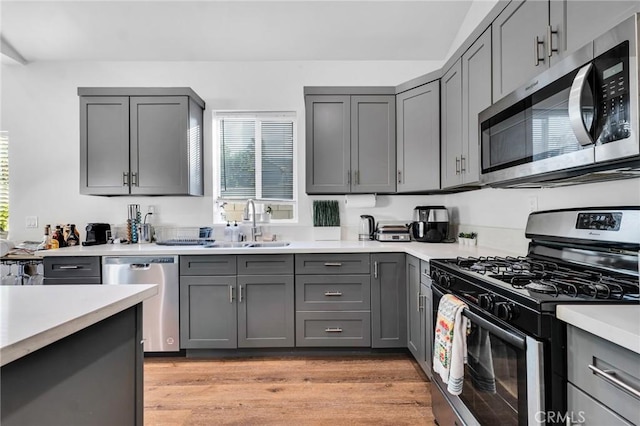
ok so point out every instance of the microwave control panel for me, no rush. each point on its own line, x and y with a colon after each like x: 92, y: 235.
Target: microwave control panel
x: 612, y: 78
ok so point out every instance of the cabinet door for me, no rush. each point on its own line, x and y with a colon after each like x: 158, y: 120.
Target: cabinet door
x: 265, y: 311
x: 328, y: 144
x: 208, y: 312
x: 451, y: 116
x: 476, y: 96
x: 104, y: 145
x: 426, y: 325
x: 418, y: 138
x: 414, y: 337
x: 373, y: 143
x: 388, y: 301
x: 515, y: 51
x: 159, y: 145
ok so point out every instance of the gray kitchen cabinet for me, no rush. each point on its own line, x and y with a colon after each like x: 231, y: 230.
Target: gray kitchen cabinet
x: 594, y: 365
x: 388, y: 301
x: 451, y: 117
x: 229, y: 302
x: 418, y: 138
x: 140, y: 141
x: 415, y: 339
x: 66, y: 270
x: 350, y: 143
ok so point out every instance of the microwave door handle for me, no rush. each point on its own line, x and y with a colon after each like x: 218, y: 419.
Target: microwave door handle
x: 575, y: 106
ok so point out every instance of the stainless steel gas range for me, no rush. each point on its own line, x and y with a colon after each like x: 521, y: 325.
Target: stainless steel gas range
x: 516, y: 348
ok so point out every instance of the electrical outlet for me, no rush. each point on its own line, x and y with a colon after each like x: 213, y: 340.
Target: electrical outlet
x: 151, y: 209
x: 31, y: 221
x: 533, y: 203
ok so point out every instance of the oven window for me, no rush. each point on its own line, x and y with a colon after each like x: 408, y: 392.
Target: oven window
x: 495, y: 379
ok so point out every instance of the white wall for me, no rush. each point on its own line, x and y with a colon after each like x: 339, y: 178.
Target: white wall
x: 476, y: 13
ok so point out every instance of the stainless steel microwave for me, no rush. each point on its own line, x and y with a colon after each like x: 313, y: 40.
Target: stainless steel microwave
x: 577, y: 121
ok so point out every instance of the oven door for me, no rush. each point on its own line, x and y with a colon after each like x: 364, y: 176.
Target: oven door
x: 503, y: 378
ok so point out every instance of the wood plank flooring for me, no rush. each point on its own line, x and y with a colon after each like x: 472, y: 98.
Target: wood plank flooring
x: 388, y: 389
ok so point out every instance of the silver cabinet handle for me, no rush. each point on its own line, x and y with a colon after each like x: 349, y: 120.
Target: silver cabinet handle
x: 399, y: 176
x: 125, y: 179
x: 463, y: 167
x: 332, y: 293
x: 349, y: 177
x: 419, y: 301
x: 536, y: 51
x: 70, y: 267
x: 357, y: 177
x: 240, y: 293
x: 610, y: 377
x: 375, y: 269
x: 550, y: 34
x: 230, y: 294
x: 134, y: 179
x: 332, y: 264
x: 333, y: 330
x: 457, y: 166
x: 575, y: 106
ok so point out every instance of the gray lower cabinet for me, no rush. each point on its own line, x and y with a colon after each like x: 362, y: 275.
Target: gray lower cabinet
x: 65, y: 270
x: 594, y: 366
x: 415, y: 338
x: 350, y: 143
x: 142, y: 141
x: 427, y: 319
x: 333, y: 300
x: 418, y: 138
x: 388, y: 301
x: 250, y: 306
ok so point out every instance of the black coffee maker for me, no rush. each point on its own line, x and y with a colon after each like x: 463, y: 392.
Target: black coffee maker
x: 97, y: 233
x: 430, y: 224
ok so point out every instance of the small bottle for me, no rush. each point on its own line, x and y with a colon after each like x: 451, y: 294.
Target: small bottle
x: 54, y: 242
x: 72, y: 239
x: 60, y: 236
x: 46, y: 239
x: 228, y: 232
x: 235, y: 233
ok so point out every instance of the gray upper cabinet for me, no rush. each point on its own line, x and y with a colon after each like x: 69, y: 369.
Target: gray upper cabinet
x: 140, y: 141
x: 418, y: 138
x: 521, y: 47
x: 451, y: 116
x: 350, y: 142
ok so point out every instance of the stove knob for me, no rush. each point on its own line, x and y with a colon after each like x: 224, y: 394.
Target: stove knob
x: 506, y: 311
x: 445, y: 280
x: 435, y: 276
x: 486, y: 301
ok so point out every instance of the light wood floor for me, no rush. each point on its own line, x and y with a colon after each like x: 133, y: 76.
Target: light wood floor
x: 388, y: 389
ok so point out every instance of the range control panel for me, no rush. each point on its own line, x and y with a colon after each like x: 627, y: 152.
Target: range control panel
x: 600, y: 221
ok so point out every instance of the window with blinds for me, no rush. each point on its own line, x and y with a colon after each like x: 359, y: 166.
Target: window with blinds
x: 256, y: 152
x: 4, y: 181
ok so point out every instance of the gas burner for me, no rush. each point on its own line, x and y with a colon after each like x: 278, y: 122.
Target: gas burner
x: 539, y: 287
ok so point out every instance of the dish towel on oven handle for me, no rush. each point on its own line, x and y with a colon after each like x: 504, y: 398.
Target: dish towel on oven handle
x: 450, y: 343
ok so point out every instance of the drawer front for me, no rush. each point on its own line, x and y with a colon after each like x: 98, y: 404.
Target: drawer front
x: 72, y: 267
x: 589, y: 412
x: 265, y: 264
x: 71, y: 281
x: 424, y: 272
x: 339, y: 263
x: 333, y: 329
x: 584, y: 349
x: 333, y: 292
x: 208, y: 265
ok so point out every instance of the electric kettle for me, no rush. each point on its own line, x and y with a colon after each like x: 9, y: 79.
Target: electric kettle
x: 367, y: 228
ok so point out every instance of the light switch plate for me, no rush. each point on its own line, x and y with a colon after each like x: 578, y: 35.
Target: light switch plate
x: 533, y: 204
x: 31, y: 221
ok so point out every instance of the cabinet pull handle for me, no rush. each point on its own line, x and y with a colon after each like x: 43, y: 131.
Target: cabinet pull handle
x: 609, y: 376
x: 332, y: 293
x: 463, y: 166
x: 333, y: 330
x: 419, y: 302
x: 332, y: 264
x: 134, y: 179
x: 230, y: 294
x: 457, y: 166
x: 125, y: 179
x: 375, y: 269
x: 240, y: 295
x: 70, y: 267
x: 536, y: 51
x: 399, y: 176
x: 349, y: 177
x: 357, y: 177
x: 550, y: 34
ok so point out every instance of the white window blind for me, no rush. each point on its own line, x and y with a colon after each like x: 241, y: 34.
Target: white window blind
x: 4, y: 181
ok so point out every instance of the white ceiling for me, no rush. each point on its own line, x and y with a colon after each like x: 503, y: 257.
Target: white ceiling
x: 217, y: 30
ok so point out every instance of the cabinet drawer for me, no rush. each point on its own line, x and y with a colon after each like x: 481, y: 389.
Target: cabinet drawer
x: 265, y: 264
x: 589, y: 412
x: 329, y: 329
x: 72, y: 267
x: 584, y: 349
x: 340, y: 263
x: 333, y: 292
x: 208, y: 265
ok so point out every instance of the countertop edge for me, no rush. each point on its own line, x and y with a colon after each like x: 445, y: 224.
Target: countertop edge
x: 585, y: 317
x: 19, y: 349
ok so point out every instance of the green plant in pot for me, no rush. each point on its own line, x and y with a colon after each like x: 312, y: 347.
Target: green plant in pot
x: 326, y: 219
x: 467, y: 238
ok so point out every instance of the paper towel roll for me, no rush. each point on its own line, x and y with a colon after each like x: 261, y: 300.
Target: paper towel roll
x: 359, y: 201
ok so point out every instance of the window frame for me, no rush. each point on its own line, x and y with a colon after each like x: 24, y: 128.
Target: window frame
x: 259, y: 116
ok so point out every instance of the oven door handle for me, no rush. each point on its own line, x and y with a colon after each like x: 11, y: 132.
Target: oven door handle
x: 506, y: 335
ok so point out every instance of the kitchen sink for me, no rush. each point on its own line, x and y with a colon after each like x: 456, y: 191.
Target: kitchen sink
x: 248, y: 244
x: 269, y: 244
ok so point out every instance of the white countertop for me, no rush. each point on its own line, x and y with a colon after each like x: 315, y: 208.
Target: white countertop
x: 32, y: 317
x: 616, y: 323
x: 424, y: 251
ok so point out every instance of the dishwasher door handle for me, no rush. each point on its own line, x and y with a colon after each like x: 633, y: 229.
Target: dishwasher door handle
x: 140, y: 266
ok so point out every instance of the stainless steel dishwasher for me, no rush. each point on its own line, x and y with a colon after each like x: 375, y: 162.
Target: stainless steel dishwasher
x: 160, y: 328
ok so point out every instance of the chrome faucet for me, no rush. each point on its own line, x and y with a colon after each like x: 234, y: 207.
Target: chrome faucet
x: 254, y: 229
